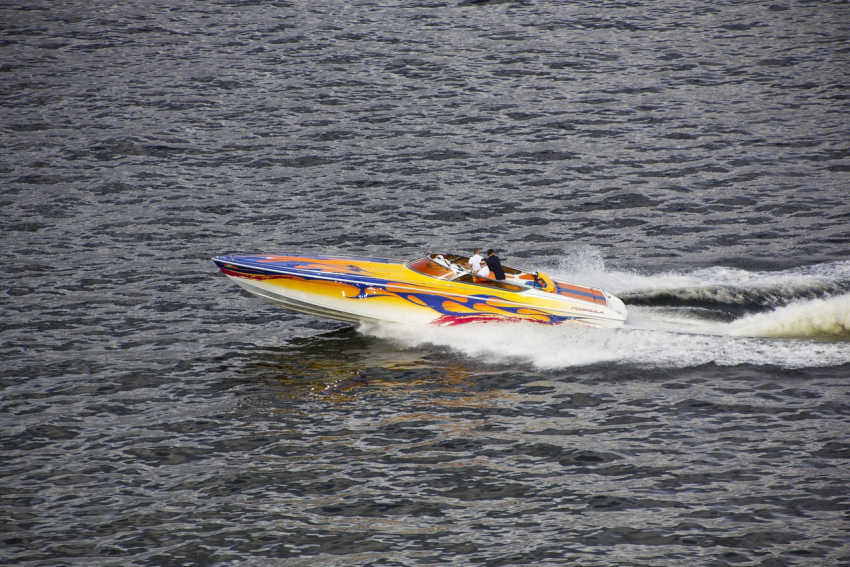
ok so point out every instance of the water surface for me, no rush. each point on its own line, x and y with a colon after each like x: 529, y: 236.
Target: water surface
x: 692, y: 159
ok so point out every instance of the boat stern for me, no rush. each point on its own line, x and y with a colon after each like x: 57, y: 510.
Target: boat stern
x: 616, y: 304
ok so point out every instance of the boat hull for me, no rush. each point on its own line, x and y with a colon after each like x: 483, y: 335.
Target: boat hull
x: 355, y: 289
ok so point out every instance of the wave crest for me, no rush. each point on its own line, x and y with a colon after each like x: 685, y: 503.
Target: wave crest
x: 819, y: 318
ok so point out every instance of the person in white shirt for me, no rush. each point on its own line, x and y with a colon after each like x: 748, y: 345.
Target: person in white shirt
x: 475, y: 261
x: 483, y: 269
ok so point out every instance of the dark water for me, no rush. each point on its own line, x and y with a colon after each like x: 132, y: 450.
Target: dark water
x: 690, y: 157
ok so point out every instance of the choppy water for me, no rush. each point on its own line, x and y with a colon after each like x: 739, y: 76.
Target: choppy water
x: 691, y: 158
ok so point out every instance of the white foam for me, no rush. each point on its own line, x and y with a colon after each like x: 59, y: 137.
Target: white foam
x: 587, y: 266
x: 551, y: 347
x: 820, y: 318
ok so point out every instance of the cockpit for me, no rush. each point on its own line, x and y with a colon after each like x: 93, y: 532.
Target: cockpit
x: 451, y: 267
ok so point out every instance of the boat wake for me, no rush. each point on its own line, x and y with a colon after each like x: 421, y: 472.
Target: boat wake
x: 717, y: 287
x: 818, y: 318
x: 792, y: 319
x: 822, y: 319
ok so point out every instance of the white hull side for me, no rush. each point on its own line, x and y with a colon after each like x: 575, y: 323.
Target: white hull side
x: 360, y: 310
x: 344, y: 309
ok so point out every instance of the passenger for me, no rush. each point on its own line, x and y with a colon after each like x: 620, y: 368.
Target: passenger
x: 475, y: 260
x: 483, y: 269
x: 495, y: 265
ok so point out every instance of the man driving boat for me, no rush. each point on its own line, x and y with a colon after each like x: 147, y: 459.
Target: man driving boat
x: 495, y: 265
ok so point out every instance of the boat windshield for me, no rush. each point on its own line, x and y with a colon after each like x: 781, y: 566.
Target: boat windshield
x: 429, y: 267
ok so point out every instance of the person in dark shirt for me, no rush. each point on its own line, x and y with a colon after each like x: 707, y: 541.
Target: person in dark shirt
x: 495, y: 265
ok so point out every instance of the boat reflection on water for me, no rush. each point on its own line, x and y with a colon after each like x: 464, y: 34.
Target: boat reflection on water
x: 343, y: 365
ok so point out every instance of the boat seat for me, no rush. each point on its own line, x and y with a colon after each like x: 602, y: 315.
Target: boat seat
x: 543, y: 282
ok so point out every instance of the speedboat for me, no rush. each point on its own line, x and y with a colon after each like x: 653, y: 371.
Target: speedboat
x: 437, y: 289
